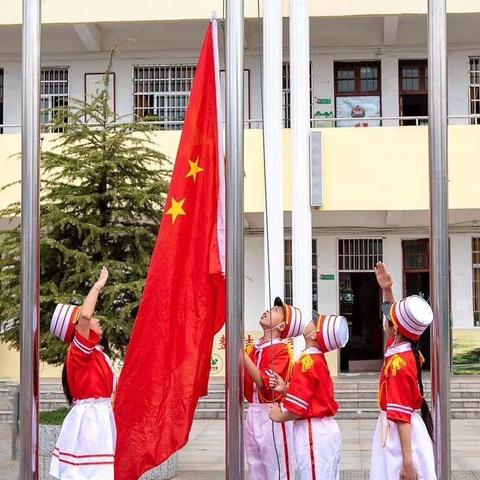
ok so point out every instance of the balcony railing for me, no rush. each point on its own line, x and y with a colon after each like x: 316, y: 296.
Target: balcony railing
x: 332, y: 122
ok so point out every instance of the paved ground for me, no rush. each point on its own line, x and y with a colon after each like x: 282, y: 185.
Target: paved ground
x: 205, y: 450
x: 8, y: 468
x: 204, y: 456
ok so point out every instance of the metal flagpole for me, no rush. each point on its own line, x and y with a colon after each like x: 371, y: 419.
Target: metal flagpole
x: 437, y: 136
x: 234, y: 151
x: 272, y: 126
x: 30, y: 231
x: 301, y: 212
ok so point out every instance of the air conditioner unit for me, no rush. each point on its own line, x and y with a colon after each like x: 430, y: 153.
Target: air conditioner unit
x: 316, y: 169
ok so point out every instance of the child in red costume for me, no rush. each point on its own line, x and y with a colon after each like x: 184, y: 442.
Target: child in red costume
x: 402, y: 444
x: 309, y: 401
x: 85, y: 448
x: 269, y: 448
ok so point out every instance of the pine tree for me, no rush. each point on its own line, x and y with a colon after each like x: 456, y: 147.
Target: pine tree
x: 103, y: 189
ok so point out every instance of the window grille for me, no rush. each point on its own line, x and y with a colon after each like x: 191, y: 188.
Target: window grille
x: 286, y: 96
x: 474, y: 90
x: 289, y: 274
x: 161, y: 93
x: 476, y: 280
x: 359, y: 254
x: 54, y: 90
x: 416, y: 255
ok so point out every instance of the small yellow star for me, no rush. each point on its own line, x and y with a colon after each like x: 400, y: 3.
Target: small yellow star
x: 194, y: 170
x: 176, y: 209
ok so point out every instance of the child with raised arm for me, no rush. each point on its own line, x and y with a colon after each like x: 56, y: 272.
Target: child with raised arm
x: 309, y: 401
x: 269, y: 448
x: 402, y: 444
x: 85, y: 448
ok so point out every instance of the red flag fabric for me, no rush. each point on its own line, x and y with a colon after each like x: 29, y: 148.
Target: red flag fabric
x: 183, y: 305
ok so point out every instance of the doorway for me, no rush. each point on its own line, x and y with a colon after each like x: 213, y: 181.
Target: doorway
x: 413, y: 88
x: 360, y: 303
x: 416, y: 281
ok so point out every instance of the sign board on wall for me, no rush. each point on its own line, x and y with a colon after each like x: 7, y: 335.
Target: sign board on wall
x: 358, y: 108
x: 217, y: 362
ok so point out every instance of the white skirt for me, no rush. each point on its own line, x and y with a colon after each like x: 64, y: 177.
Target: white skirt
x: 85, y: 448
x: 387, y: 457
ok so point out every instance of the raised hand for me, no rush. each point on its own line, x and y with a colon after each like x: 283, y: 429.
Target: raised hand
x: 384, y: 278
x: 102, y: 278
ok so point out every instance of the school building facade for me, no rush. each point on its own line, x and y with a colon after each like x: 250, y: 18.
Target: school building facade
x: 369, y: 97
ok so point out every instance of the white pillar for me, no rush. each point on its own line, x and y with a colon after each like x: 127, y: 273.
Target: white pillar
x: 272, y: 105
x: 301, y: 212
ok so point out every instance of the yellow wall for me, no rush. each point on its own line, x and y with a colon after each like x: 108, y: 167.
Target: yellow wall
x: 364, y: 168
x: 10, y: 365
x: 376, y: 168
x: 86, y: 11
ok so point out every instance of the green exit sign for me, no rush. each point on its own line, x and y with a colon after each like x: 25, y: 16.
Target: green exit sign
x: 324, y: 101
x: 327, y: 276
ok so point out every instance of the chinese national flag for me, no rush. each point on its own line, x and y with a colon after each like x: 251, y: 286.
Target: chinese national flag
x: 183, y: 305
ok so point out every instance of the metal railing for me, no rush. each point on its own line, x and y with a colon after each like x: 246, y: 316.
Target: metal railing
x: 328, y: 122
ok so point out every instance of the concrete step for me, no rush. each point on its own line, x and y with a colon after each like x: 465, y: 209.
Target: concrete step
x: 357, y: 399
x: 52, y: 404
x: 5, y: 392
x: 6, y: 416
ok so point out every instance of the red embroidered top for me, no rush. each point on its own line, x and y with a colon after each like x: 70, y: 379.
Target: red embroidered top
x: 268, y: 355
x: 310, y: 393
x: 399, y: 393
x: 89, y: 370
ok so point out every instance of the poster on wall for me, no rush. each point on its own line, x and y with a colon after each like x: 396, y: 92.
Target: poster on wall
x: 94, y: 84
x: 358, y: 109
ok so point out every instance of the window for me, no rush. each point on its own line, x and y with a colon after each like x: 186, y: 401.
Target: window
x: 359, y: 254
x: 413, y: 76
x: 357, y: 78
x: 289, y: 274
x: 416, y: 255
x: 476, y: 280
x: 54, y: 86
x: 413, y: 91
x: 474, y: 91
x: 1, y: 100
x: 357, y: 93
x: 161, y: 93
x: 286, y: 96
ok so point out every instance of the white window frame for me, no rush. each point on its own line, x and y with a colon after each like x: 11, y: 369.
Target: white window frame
x: 160, y: 82
x: 286, y: 95
x: 50, y: 100
x: 475, y: 283
x: 289, y: 273
x: 474, y: 85
x: 362, y: 256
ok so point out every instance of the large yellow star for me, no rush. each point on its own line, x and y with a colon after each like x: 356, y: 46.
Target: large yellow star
x: 176, y: 209
x: 194, y: 169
